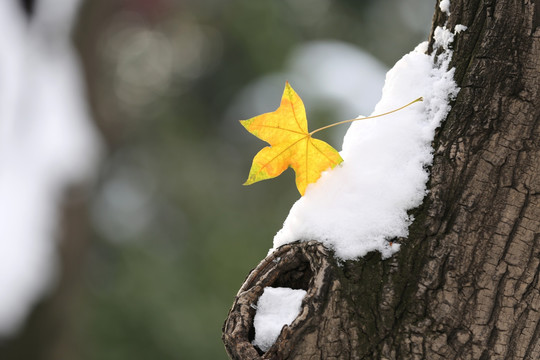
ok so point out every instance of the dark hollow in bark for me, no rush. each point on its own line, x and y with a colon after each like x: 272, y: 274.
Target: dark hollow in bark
x: 329, y: 325
x: 466, y: 282
x: 298, y: 266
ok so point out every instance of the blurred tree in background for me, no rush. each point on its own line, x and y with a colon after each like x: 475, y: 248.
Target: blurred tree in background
x: 174, y: 233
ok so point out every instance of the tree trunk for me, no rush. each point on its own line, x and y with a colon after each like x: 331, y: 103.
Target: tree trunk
x: 466, y: 282
x: 50, y: 331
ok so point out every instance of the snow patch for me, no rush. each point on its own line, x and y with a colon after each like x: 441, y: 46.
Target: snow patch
x: 459, y: 28
x: 276, y: 308
x: 444, y: 5
x: 361, y: 205
x: 443, y: 37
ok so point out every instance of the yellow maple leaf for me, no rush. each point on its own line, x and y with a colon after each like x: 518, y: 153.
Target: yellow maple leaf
x: 291, y: 145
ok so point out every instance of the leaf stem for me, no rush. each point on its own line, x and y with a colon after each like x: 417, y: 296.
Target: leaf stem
x: 365, y: 118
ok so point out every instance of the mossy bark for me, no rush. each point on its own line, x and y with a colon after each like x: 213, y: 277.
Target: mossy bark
x: 466, y: 282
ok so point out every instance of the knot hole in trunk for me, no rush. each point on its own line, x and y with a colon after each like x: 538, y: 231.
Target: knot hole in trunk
x: 300, y: 265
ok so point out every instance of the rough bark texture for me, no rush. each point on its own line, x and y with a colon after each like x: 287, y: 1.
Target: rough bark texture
x: 323, y: 330
x: 466, y: 283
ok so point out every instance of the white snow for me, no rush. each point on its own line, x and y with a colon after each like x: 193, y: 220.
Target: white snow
x: 46, y: 143
x: 443, y: 37
x: 362, y: 204
x: 444, y: 5
x: 459, y: 28
x: 276, y: 308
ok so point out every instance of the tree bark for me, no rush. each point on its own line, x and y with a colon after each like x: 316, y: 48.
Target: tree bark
x: 466, y: 282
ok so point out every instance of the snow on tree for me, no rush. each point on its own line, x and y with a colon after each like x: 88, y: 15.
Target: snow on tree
x: 465, y: 283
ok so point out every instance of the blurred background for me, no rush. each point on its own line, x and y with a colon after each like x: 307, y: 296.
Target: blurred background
x: 125, y: 231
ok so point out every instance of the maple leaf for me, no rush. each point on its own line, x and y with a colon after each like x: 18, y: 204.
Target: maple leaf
x: 291, y: 145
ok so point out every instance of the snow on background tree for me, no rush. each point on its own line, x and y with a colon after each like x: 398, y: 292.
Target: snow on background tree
x: 47, y: 143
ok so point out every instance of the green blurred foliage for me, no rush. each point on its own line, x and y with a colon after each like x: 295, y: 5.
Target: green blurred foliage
x: 175, y: 232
